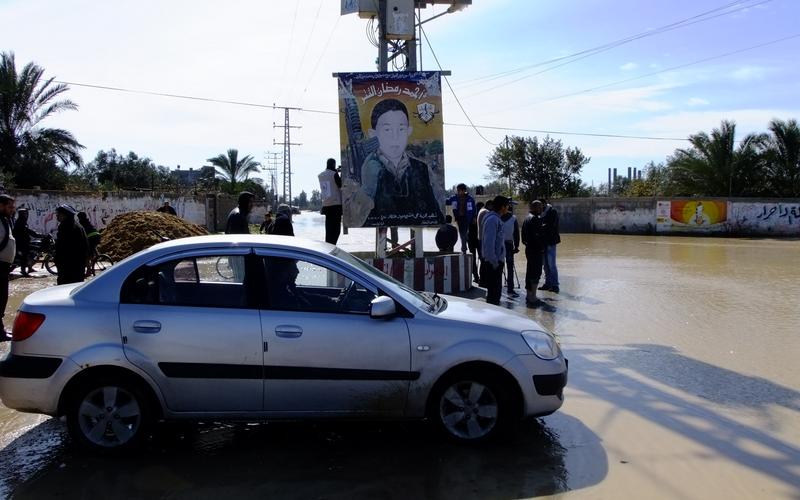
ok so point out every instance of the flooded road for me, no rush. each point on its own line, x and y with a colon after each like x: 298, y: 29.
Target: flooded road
x: 684, y: 383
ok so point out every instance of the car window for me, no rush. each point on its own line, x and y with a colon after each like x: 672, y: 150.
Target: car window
x: 299, y: 285
x: 203, y: 281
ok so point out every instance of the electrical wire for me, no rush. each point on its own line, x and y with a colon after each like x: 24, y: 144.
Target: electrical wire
x: 322, y: 54
x: 577, y: 56
x: 447, y: 81
x: 680, y: 66
x: 326, y: 112
x: 308, y: 42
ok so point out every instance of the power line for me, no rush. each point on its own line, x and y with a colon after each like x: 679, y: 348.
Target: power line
x: 560, y: 132
x: 569, y: 59
x: 326, y: 112
x: 706, y: 59
x: 308, y: 42
x: 447, y: 80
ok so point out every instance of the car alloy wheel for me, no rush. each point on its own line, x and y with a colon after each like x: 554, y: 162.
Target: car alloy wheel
x: 469, y: 410
x: 109, y: 415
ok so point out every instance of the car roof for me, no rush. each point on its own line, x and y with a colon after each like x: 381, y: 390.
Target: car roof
x: 222, y: 240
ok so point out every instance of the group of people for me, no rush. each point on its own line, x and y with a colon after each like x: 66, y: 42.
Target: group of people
x: 75, y: 241
x: 237, y: 218
x: 493, y: 231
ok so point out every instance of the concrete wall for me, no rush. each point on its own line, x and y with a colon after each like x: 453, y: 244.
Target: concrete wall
x: 744, y: 216
x: 209, y: 211
x: 102, y: 208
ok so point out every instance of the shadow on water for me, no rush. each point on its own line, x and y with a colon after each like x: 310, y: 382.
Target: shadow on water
x: 606, y: 374
x: 327, y: 460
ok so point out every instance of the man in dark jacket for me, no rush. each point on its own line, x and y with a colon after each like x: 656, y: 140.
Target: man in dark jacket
x: 463, y: 211
x: 23, y: 234
x: 283, y: 221
x: 237, y: 218
x: 533, y: 239
x: 551, y: 239
x: 72, y: 247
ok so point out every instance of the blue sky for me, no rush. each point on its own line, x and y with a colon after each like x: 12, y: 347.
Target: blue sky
x: 285, y: 52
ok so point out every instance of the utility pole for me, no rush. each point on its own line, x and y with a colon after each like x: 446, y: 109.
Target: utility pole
x: 273, y: 159
x: 287, y: 153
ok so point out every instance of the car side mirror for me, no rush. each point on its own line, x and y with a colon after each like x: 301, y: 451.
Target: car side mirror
x: 382, y: 307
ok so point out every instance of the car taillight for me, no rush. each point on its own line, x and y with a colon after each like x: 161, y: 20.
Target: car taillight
x: 26, y: 324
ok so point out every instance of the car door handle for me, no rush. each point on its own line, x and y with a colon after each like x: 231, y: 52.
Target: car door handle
x: 288, y: 331
x: 145, y: 326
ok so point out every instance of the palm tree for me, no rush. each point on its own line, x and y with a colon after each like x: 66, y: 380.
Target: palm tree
x: 234, y: 169
x: 713, y: 166
x: 26, y: 99
x: 783, y: 158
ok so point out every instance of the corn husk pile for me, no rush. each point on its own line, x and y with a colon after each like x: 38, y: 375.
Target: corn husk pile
x: 134, y: 231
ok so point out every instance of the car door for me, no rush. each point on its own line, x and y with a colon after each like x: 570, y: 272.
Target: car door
x: 324, y: 353
x: 188, y: 322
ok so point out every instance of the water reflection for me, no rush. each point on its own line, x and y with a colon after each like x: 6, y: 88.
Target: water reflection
x: 291, y: 460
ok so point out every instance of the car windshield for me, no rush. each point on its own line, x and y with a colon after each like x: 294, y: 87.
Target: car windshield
x: 421, y: 300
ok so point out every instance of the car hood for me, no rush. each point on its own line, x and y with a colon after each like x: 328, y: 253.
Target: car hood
x: 488, y: 315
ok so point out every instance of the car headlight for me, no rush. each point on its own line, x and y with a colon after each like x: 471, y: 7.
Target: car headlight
x: 542, y: 344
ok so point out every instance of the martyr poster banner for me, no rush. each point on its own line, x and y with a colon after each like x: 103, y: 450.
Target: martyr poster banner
x: 392, y: 153
x: 705, y: 216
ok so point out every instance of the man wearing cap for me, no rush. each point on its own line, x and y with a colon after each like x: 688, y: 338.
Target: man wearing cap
x: 72, y: 247
x: 8, y: 249
x: 493, y: 247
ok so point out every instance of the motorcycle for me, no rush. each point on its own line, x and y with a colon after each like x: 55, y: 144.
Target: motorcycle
x: 41, y: 251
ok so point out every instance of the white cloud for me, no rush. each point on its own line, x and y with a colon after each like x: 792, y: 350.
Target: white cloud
x: 696, y: 101
x: 629, y: 66
x: 748, y: 73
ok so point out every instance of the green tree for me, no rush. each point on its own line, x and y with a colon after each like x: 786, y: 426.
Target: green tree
x: 714, y: 166
x: 33, y: 154
x: 233, y: 169
x: 539, y: 169
x: 315, y: 202
x: 114, y: 171
x: 783, y: 158
x: 301, y: 201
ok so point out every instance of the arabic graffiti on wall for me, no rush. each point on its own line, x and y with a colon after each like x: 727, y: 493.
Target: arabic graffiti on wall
x: 101, y: 209
x: 771, y: 218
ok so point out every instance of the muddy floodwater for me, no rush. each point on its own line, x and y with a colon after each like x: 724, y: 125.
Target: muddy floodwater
x: 684, y: 383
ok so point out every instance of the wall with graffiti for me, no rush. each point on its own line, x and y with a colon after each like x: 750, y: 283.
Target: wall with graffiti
x: 765, y: 218
x: 101, y: 209
x: 711, y: 217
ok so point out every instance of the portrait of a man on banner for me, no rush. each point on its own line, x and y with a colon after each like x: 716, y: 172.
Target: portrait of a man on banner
x: 392, y: 151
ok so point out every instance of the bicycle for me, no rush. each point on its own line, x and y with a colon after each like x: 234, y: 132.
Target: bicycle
x: 98, y: 262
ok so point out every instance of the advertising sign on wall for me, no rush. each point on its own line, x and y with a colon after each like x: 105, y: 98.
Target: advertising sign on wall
x: 691, y: 216
x: 391, y: 149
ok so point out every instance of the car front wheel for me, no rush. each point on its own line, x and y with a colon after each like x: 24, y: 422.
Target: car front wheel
x: 471, y: 408
x: 109, y: 415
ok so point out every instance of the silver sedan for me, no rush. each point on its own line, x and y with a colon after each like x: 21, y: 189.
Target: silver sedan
x: 270, y: 327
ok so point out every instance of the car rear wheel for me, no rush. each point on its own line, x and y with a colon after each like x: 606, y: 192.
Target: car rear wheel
x: 471, y: 407
x: 109, y: 415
